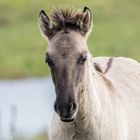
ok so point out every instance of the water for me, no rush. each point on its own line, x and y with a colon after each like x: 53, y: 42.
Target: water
x: 26, y: 106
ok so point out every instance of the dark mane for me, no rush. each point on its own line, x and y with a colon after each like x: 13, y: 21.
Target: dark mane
x: 98, y: 68
x: 66, y: 19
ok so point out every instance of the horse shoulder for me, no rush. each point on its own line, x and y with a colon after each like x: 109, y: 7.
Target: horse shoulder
x: 124, y: 74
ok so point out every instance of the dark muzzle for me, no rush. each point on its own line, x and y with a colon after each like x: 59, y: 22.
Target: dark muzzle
x: 65, y: 110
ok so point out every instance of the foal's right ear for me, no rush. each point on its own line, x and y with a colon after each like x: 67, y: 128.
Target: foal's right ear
x: 45, y: 24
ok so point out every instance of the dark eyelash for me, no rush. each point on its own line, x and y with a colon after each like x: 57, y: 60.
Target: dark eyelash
x: 49, y: 61
x: 82, y: 59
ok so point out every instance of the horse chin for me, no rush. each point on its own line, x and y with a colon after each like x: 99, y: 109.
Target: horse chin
x: 67, y: 120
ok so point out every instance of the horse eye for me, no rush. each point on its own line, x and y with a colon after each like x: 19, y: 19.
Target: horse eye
x: 49, y: 62
x: 82, y: 60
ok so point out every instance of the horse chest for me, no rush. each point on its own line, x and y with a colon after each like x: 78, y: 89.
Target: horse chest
x: 69, y: 136
x: 83, y: 137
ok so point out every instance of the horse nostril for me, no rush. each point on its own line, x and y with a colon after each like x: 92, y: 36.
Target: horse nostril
x: 65, y: 110
x: 56, y: 108
x: 73, y: 108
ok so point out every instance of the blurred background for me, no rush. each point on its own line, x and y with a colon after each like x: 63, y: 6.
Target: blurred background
x: 26, y: 90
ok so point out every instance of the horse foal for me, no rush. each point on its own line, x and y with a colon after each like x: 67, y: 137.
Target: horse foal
x: 96, y: 98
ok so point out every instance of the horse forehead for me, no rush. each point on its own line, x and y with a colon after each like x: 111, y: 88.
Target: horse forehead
x: 71, y: 41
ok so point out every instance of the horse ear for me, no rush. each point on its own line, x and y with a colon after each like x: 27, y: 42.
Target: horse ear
x: 86, y: 20
x: 45, y: 24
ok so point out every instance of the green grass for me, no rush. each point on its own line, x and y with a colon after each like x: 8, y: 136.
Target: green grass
x: 40, y: 136
x: 22, y: 49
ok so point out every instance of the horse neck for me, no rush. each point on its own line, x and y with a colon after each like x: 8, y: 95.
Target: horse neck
x: 95, y: 100
x: 89, y: 102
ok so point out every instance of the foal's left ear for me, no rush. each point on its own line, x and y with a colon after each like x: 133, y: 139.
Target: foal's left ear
x: 87, y: 20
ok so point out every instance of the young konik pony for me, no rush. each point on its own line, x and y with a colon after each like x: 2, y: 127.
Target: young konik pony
x: 96, y: 98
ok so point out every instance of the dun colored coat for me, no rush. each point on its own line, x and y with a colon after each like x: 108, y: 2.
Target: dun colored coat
x: 96, y: 98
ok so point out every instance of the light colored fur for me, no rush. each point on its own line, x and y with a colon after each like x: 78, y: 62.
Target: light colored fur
x: 105, y: 112
x: 109, y: 104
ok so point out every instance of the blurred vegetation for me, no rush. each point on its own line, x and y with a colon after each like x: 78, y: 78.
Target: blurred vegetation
x: 40, y: 136
x: 22, y: 49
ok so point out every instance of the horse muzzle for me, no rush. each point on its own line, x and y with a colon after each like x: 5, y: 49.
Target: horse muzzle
x: 66, y: 111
